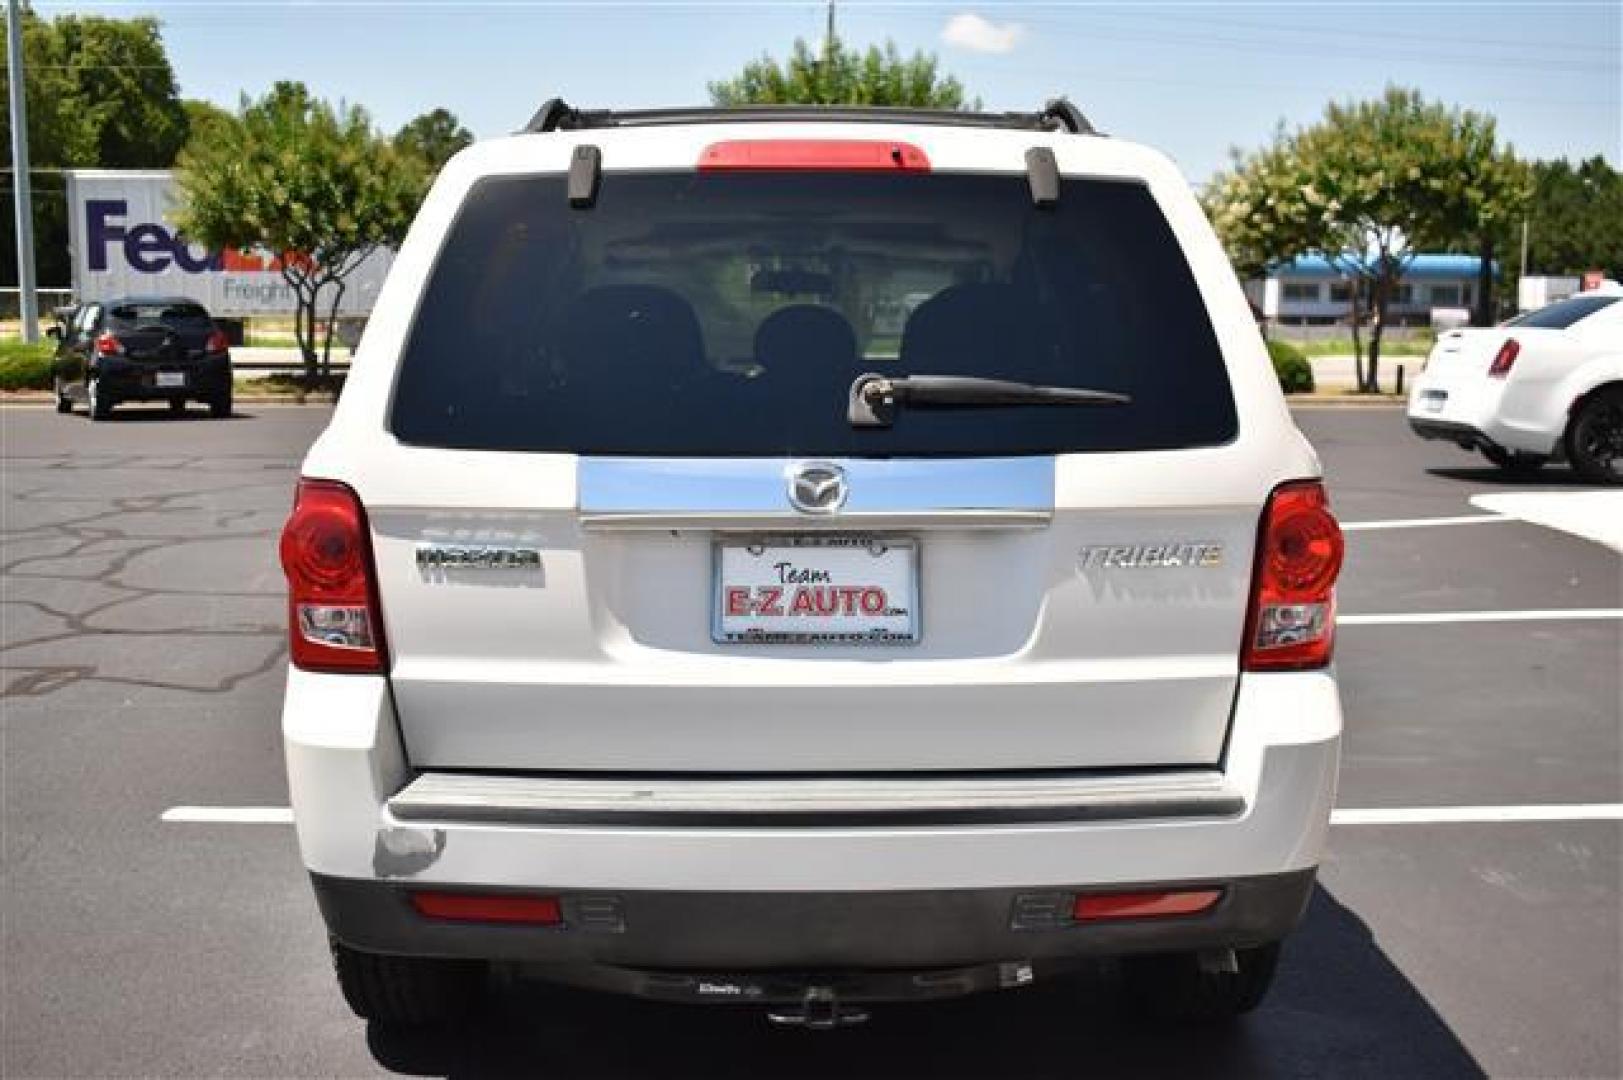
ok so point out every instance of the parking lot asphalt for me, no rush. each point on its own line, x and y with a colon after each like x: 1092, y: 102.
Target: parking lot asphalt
x: 142, y: 661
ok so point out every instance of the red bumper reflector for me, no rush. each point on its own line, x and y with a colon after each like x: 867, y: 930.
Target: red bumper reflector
x: 475, y: 907
x: 1095, y: 907
x: 813, y: 155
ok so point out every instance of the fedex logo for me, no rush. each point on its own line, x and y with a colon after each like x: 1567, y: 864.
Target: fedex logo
x: 151, y: 248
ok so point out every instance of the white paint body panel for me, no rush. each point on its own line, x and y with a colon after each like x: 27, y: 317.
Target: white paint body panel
x: 604, y: 660
x: 1283, y: 756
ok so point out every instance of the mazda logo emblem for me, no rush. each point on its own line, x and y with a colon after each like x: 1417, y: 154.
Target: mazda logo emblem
x: 817, y: 488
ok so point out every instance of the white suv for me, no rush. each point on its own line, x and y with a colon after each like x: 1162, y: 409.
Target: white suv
x: 810, y: 557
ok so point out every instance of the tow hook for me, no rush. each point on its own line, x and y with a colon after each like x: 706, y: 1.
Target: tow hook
x: 819, y: 1010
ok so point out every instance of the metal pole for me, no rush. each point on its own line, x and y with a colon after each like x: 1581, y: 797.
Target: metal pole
x: 27, y: 298
x: 1522, y: 269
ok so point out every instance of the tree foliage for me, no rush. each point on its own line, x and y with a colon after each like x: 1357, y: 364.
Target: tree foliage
x: 1369, y: 186
x: 101, y: 94
x: 311, y: 183
x: 838, y: 75
x: 1575, y: 222
x: 432, y: 138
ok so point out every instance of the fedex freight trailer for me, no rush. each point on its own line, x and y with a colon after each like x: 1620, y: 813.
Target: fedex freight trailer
x: 123, y: 242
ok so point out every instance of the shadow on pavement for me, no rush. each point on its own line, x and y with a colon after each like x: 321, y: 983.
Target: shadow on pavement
x: 1339, y: 1007
x: 1548, y: 476
x: 135, y: 414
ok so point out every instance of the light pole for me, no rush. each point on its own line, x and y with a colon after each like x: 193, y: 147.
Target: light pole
x: 27, y: 299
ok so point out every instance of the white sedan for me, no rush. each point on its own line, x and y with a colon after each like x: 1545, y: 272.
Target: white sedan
x: 1545, y: 385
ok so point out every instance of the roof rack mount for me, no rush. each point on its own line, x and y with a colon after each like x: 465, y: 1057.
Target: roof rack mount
x: 1058, y: 115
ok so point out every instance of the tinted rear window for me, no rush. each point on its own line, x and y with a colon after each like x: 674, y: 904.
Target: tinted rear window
x: 727, y: 314
x: 170, y: 314
x: 1563, y: 313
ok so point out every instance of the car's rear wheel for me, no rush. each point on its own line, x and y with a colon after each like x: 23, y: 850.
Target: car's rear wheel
x: 1180, y: 986
x: 101, y: 406
x: 1595, y: 437
x: 1513, y: 462
x: 220, y: 406
x: 406, y: 990
x: 64, y: 404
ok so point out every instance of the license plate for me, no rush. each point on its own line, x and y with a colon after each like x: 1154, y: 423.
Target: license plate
x: 1433, y: 400
x: 168, y: 380
x: 839, y: 589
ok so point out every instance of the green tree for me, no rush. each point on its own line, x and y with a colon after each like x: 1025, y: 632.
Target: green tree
x: 313, y: 183
x: 101, y: 94
x: 1575, y: 219
x: 204, y: 118
x: 432, y: 138
x: 1368, y: 186
x: 838, y: 75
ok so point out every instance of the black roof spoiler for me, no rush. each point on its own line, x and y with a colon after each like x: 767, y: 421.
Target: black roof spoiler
x: 1058, y: 115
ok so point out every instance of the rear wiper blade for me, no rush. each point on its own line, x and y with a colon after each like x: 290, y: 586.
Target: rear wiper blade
x: 876, y: 398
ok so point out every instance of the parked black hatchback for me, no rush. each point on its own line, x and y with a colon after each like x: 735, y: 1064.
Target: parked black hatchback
x: 140, y: 348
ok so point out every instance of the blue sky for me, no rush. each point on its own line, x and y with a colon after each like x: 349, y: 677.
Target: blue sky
x: 1193, y: 77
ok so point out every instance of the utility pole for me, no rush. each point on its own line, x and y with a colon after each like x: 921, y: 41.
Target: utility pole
x: 27, y: 299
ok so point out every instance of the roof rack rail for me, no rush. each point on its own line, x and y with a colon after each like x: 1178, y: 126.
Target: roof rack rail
x: 557, y: 115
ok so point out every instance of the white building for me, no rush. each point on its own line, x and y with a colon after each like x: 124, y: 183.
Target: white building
x: 1308, y: 291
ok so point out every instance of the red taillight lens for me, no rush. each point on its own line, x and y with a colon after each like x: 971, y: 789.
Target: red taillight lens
x: 217, y: 342
x: 1097, y: 907
x: 108, y: 345
x: 1291, y: 624
x: 333, y: 618
x: 474, y: 907
x: 814, y: 155
x: 1504, y: 358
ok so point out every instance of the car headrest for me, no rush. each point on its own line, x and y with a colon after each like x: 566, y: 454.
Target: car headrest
x: 804, y: 340
x: 992, y: 330
x: 620, y: 331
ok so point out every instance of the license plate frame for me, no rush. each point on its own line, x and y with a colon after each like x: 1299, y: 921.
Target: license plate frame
x: 169, y: 380
x: 890, y: 628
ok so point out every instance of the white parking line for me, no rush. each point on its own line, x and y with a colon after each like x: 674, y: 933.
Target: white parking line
x: 1413, y: 815
x: 1410, y: 618
x: 230, y: 815
x: 1420, y: 523
x: 1435, y: 815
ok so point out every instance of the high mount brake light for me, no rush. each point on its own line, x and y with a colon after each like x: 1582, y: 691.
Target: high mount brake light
x: 1291, y: 623
x: 107, y: 344
x: 1504, y: 358
x: 334, y: 623
x: 813, y: 155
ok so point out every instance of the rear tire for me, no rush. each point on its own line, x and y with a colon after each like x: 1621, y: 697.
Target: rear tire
x: 407, y: 991
x: 1174, y: 986
x: 64, y: 404
x: 220, y: 406
x: 101, y: 407
x: 1510, y: 461
x: 1594, y: 438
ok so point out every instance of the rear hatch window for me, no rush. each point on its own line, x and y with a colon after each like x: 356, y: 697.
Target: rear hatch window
x: 175, y: 315
x: 727, y: 314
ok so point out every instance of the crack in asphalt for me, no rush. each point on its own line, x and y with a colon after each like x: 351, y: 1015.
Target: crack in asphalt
x: 88, y: 535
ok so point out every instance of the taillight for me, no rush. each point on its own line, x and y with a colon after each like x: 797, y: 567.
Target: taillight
x: 1504, y: 358
x: 1291, y: 624
x: 217, y: 342
x: 334, y: 622
x: 107, y: 344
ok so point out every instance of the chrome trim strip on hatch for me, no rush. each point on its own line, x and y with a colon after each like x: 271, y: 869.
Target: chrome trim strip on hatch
x: 758, y: 493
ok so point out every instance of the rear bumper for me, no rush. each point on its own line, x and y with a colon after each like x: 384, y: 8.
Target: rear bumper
x: 345, y: 763
x: 730, y: 931
x: 138, y: 381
